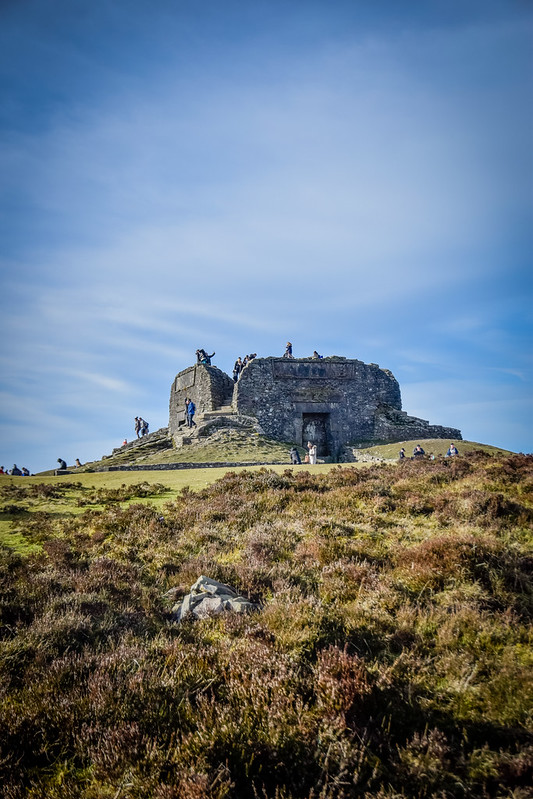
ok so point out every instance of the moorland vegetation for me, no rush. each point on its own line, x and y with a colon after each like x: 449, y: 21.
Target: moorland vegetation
x: 390, y: 655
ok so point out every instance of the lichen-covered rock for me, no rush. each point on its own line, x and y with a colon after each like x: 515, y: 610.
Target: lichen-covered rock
x: 208, y: 597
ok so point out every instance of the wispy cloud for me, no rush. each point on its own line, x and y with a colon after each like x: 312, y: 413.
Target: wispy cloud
x: 363, y: 190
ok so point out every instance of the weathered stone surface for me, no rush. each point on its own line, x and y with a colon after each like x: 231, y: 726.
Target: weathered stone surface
x: 209, y: 597
x: 332, y: 402
x: 159, y: 439
x: 207, y: 386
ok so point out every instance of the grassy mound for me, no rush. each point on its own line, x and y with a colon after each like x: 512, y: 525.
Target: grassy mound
x: 390, y: 655
x: 437, y: 446
x: 228, y: 444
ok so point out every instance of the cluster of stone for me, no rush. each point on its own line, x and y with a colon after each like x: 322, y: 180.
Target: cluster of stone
x: 208, y: 597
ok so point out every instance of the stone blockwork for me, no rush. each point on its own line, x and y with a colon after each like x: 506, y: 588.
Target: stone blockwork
x: 207, y: 386
x: 332, y: 402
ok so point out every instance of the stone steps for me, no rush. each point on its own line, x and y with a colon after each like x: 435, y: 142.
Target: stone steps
x: 223, y: 411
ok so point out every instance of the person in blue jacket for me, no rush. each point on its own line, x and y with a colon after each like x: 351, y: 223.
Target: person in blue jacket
x: 288, y: 350
x: 191, y: 410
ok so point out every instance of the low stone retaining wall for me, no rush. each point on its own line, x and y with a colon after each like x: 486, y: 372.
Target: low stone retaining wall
x: 154, y: 467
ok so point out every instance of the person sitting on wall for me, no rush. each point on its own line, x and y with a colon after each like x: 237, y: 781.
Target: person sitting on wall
x: 452, y: 450
x: 25, y: 472
x: 203, y: 358
x: 78, y: 463
x: 315, y: 356
x: 288, y: 350
x: 418, y: 452
x: 295, y: 456
x: 16, y: 471
x: 62, y: 463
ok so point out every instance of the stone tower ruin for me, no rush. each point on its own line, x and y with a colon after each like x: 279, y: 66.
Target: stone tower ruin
x: 333, y: 402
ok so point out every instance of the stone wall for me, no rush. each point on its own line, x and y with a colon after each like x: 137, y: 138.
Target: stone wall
x: 207, y: 386
x: 393, y: 425
x: 332, y: 401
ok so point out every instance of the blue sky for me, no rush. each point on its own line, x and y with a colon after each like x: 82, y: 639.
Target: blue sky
x: 355, y: 177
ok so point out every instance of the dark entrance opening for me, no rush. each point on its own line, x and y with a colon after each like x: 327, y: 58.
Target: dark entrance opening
x: 315, y: 428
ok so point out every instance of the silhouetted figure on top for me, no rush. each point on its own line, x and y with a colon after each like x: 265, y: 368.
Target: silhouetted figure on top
x: 203, y: 358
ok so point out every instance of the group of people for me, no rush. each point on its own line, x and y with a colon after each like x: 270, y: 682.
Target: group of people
x: 203, y: 358
x: 15, y: 471
x: 312, y: 452
x: 418, y: 452
x: 63, y: 463
x: 240, y: 363
x: 141, y: 427
x: 288, y: 352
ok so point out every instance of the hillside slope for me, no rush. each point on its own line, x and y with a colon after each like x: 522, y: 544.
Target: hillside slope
x: 389, y: 655
x: 211, y: 444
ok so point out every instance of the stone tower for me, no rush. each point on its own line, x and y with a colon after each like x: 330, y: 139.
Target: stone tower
x: 333, y: 402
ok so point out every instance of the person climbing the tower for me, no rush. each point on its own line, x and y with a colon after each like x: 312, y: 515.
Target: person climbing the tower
x: 237, y: 369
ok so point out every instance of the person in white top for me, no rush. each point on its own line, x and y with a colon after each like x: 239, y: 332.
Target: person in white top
x: 312, y: 452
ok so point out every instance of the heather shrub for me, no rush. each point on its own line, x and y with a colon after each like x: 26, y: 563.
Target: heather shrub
x: 389, y: 655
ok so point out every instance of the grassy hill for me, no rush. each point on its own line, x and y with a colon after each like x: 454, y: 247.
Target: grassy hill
x: 389, y: 656
x: 437, y: 446
x: 224, y: 445
x: 245, y: 445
